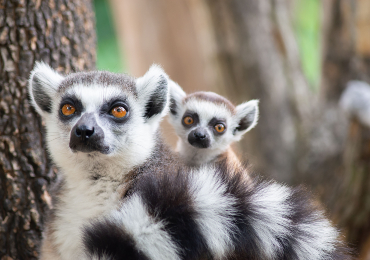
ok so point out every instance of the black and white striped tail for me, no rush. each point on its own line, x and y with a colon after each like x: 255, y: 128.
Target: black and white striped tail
x: 213, y: 214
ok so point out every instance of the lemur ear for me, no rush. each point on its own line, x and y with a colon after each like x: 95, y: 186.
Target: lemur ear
x: 176, y: 97
x: 153, y: 93
x: 42, y: 86
x: 246, y: 117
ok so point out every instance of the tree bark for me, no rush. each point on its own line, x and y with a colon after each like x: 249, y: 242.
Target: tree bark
x: 61, y: 33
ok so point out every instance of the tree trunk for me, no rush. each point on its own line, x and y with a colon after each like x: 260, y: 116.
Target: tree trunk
x: 347, y: 57
x: 62, y: 34
x: 249, y: 50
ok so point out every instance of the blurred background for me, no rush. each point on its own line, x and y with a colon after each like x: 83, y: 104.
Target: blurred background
x: 299, y: 58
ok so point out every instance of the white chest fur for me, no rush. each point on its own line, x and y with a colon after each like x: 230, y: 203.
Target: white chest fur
x: 80, y: 203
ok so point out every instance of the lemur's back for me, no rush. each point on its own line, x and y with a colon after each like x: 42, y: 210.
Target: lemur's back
x: 213, y: 213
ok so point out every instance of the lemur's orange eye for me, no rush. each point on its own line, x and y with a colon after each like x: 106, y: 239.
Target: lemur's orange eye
x: 220, y: 128
x: 68, y: 109
x: 119, y: 112
x: 188, y: 120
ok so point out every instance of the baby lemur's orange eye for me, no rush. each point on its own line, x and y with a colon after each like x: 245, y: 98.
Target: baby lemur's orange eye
x: 68, y: 109
x: 188, y: 120
x: 119, y: 112
x: 220, y: 128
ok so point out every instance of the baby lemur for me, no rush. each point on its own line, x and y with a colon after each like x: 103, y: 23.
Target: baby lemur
x: 122, y: 194
x: 207, y: 124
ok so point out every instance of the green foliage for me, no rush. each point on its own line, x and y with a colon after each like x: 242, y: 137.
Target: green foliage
x: 108, y: 51
x: 307, y: 28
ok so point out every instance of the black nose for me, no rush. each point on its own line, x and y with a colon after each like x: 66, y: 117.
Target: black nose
x: 199, y: 138
x: 84, y: 132
x: 200, y: 135
x: 87, y: 136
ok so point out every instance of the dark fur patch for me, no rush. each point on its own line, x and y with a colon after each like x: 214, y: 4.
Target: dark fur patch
x: 191, y: 114
x: 247, y: 246
x: 173, y: 106
x: 167, y: 198
x: 246, y: 121
x: 105, y: 238
x: 246, y: 242
x: 214, y: 121
x: 42, y: 99
x: 104, y: 78
x: 211, y: 97
x: 164, y: 186
x: 157, y: 100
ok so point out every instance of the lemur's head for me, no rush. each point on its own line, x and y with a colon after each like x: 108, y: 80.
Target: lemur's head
x: 95, y: 116
x: 207, y: 121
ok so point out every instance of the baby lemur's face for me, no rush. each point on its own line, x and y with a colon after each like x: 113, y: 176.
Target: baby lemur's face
x: 95, y: 115
x: 207, y: 120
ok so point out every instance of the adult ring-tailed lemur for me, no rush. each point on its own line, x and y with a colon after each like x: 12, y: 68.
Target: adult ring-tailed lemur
x: 122, y: 194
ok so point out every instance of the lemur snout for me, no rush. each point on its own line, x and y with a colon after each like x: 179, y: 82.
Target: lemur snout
x: 200, y: 135
x: 199, y: 138
x: 87, y: 136
x: 84, y: 132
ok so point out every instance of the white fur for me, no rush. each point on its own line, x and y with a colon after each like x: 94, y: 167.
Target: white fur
x: 83, y: 199
x: 215, y: 210
x: 320, y: 240
x: 48, y: 77
x: 207, y: 110
x: 250, y: 109
x: 149, y: 234
x: 355, y: 101
x: 176, y: 91
x: 145, y: 87
x: 270, y: 204
x: 79, y: 204
x: 132, y: 149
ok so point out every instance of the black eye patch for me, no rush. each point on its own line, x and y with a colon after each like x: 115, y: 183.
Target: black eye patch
x: 106, y: 109
x: 191, y: 114
x: 215, y: 121
x: 75, y: 102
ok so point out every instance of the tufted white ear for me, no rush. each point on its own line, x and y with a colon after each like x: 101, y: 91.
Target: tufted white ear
x: 42, y: 86
x: 246, y: 118
x: 153, y: 93
x: 176, y: 97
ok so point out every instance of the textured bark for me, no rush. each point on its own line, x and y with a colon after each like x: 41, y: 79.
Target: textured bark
x: 62, y: 34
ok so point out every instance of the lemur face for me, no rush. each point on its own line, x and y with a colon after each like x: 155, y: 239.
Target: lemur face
x: 207, y: 120
x: 99, y: 114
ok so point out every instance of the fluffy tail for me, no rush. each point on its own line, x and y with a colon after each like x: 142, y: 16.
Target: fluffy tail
x: 212, y: 213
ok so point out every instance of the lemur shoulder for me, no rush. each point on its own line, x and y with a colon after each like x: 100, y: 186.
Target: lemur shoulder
x: 207, y: 124
x: 124, y: 195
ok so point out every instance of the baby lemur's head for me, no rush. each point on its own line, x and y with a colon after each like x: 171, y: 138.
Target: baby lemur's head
x: 207, y: 123
x: 97, y: 119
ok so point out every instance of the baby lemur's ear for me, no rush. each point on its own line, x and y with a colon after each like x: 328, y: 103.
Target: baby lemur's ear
x: 246, y: 118
x: 42, y: 87
x: 153, y: 93
x: 176, y: 97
